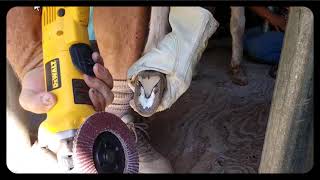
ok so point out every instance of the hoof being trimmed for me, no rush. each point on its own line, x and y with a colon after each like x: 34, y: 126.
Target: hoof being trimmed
x: 149, y: 89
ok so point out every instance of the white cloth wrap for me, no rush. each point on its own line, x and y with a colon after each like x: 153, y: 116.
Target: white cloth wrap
x: 178, y: 53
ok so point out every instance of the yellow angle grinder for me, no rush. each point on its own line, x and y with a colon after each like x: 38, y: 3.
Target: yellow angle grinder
x: 102, y: 142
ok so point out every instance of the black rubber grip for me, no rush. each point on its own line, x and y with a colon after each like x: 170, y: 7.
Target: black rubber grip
x: 81, y: 55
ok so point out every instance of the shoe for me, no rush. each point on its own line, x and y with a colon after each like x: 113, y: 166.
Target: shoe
x: 150, y: 161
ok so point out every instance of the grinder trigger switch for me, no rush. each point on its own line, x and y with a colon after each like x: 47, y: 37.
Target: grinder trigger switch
x: 81, y: 55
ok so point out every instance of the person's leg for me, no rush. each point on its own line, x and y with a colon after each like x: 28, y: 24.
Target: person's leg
x: 24, y: 53
x: 251, y: 33
x: 92, y: 36
x: 265, y: 47
x: 24, y: 39
x: 18, y: 141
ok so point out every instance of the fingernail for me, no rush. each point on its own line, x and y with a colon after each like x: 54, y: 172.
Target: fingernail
x: 96, y: 55
x: 46, y: 100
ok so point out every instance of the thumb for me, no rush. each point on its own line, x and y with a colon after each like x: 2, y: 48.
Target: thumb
x: 36, y: 102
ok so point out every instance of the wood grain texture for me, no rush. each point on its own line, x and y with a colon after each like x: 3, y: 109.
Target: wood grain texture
x: 216, y: 126
x: 289, y: 139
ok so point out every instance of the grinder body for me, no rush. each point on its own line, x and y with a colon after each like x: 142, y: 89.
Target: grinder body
x: 102, y: 143
x: 66, y: 56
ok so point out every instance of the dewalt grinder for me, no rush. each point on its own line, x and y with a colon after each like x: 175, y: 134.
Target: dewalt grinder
x: 102, y: 143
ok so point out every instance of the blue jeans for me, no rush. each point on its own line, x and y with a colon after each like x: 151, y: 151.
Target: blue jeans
x: 265, y: 47
x: 90, y: 25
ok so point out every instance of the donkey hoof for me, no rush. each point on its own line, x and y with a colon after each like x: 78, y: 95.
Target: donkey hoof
x: 149, y: 89
x: 238, y: 76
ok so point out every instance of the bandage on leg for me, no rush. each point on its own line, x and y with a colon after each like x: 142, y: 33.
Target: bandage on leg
x: 177, y: 53
x: 122, y: 96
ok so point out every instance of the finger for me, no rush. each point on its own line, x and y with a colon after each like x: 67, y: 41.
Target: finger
x: 36, y: 102
x: 277, y: 28
x: 101, y: 87
x: 102, y: 73
x: 97, y: 100
x: 97, y: 58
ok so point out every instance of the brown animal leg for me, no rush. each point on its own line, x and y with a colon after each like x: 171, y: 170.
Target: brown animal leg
x: 237, y: 25
x: 121, y: 34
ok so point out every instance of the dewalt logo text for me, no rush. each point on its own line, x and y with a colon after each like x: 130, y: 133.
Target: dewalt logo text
x: 54, y: 74
x: 53, y: 78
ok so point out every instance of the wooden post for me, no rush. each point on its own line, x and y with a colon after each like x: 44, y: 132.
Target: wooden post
x: 288, y: 146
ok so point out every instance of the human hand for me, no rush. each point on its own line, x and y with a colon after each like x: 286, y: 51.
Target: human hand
x: 100, y: 86
x: 278, y: 22
x: 34, y: 98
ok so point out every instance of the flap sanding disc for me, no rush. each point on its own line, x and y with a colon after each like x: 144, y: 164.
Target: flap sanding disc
x: 104, y: 144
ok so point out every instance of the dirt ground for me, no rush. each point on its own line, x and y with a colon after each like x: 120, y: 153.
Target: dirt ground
x: 216, y: 126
